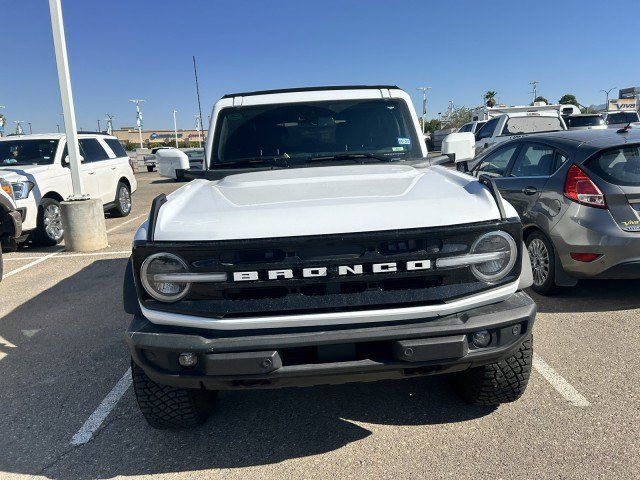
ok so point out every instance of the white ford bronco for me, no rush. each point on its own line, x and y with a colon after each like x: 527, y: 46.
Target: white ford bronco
x: 323, y: 246
x: 38, y: 169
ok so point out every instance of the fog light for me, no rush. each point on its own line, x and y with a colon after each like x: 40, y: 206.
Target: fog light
x: 187, y: 359
x: 481, y: 339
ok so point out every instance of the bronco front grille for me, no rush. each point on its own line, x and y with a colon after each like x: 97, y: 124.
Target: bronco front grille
x: 367, y: 290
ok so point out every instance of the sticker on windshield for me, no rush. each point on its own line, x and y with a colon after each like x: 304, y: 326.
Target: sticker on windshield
x: 397, y: 149
x: 404, y: 141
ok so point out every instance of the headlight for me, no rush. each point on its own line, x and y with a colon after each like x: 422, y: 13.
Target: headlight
x: 153, y: 272
x: 500, y: 250
x: 6, y: 187
x: 21, y: 190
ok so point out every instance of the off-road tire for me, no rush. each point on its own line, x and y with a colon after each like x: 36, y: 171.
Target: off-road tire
x: 40, y: 236
x: 118, y: 210
x: 500, y: 382
x: 149, y: 168
x: 166, y: 407
x: 549, y: 286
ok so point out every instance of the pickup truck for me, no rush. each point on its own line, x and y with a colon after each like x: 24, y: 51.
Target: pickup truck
x: 322, y: 246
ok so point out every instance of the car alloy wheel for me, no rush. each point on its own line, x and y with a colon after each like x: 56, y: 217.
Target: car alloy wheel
x: 539, y: 256
x: 124, y: 199
x: 53, y: 222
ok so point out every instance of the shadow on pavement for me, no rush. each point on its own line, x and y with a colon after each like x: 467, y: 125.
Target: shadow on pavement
x: 55, y: 378
x: 591, y: 296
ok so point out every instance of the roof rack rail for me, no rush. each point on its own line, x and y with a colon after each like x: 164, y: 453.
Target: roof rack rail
x: 311, y: 89
x: 490, y: 183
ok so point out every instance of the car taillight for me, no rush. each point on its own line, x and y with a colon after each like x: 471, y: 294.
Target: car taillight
x: 580, y: 188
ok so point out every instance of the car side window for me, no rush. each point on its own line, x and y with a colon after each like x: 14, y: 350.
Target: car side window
x: 116, y: 147
x: 92, y: 150
x: 496, y: 163
x: 535, y: 160
x: 559, y: 161
x: 466, y: 127
x: 487, y: 130
x: 65, y: 153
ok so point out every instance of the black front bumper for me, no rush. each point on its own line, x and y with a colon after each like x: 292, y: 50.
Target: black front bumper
x: 270, y: 360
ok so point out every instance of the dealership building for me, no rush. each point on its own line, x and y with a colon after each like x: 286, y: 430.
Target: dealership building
x: 130, y: 135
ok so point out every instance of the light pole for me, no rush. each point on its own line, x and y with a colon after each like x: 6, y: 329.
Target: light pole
x: 109, y: 123
x: 534, y: 84
x: 30, y: 129
x: 19, y: 130
x: 424, y: 106
x: 607, y: 92
x: 199, y: 129
x: 138, y: 101
x: 175, y: 126
x: 99, y: 126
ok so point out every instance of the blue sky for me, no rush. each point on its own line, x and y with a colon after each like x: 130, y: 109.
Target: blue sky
x: 125, y: 49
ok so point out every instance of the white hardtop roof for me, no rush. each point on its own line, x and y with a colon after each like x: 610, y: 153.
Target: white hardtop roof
x: 52, y: 136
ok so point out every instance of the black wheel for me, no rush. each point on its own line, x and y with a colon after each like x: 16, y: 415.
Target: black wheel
x: 166, y: 407
x: 49, y: 229
x: 123, y: 201
x: 149, y: 168
x: 543, y: 264
x: 500, y: 382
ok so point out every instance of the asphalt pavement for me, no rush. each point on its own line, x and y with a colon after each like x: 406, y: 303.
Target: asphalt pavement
x: 68, y: 410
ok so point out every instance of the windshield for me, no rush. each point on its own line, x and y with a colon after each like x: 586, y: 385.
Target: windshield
x: 531, y: 124
x: 315, y: 129
x: 622, y: 117
x: 27, y: 152
x: 620, y: 166
x: 591, y: 121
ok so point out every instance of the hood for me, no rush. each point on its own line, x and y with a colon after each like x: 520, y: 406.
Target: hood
x: 323, y: 200
x: 21, y: 172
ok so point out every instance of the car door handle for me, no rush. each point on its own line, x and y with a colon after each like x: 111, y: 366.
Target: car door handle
x: 91, y: 173
x: 529, y: 190
x: 113, y: 168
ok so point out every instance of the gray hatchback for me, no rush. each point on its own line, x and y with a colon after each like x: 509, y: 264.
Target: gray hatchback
x: 578, y: 194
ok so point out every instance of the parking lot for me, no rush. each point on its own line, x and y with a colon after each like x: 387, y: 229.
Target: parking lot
x: 69, y: 410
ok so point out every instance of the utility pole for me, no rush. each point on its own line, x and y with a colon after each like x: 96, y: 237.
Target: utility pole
x: 175, y: 126
x: 424, y: 107
x: 109, y: 124
x: 607, y: 92
x: 138, y: 101
x: 2, y: 123
x: 82, y: 217
x: 534, y: 84
x: 199, y: 129
x: 30, y: 129
x: 58, y: 127
x: 99, y: 126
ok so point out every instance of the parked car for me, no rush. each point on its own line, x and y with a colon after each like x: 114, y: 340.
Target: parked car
x: 585, y: 121
x: 620, y: 119
x: 196, y: 158
x: 578, y: 195
x: 512, y: 125
x: 325, y: 258
x: 10, y: 220
x: 472, y: 127
x: 38, y: 169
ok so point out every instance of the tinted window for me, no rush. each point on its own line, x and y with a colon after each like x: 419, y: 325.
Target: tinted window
x: 622, y: 117
x: 560, y: 160
x: 534, y: 161
x: 487, y: 129
x: 496, y: 163
x: 466, y: 127
x: 584, y: 121
x: 91, y: 150
x: 27, y: 152
x: 116, y: 146
x: 313, y: 129
x: 620, y: 166
x: 531, y: 124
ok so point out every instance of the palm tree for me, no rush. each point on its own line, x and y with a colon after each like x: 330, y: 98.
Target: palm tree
x: 490, y: 98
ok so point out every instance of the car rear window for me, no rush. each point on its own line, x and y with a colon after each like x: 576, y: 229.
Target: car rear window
x: 584, y: 121
x: 622, y: 117
x: 531, y: 124
x: 620, y: 166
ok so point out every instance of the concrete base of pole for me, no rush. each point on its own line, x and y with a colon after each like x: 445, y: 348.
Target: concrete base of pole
x: 84, y: 226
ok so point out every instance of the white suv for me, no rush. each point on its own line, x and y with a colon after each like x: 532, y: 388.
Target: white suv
x: 37, y: 168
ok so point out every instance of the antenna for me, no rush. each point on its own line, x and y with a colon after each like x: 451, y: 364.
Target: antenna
x: 195, y: 72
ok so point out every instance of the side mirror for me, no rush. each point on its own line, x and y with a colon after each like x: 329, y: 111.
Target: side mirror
x: 65, y: 161
x: 460, y: 147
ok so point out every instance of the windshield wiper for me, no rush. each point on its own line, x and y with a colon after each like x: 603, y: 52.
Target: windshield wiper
x: 352, y: 156
x: 255, y: 161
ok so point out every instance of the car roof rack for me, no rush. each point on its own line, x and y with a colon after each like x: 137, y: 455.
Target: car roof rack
x: 311, y: 89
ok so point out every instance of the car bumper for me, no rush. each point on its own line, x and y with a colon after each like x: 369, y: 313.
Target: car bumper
x: 593, y: 230
x: 332, y: 355
x: 29, y: 211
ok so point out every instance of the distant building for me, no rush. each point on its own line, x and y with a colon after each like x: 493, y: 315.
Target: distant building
x: 130, y: 135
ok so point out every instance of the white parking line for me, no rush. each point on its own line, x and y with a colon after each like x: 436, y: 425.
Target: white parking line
x: 102, y: 412
x: 32, y: 264
x: 125, y: 223
x: 556, y: 380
